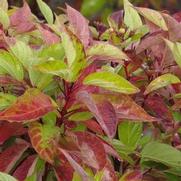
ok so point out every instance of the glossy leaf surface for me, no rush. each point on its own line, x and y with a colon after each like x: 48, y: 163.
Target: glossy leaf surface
x: 11, y: 155
x: 107, y: 52
x: 161, y: 81
x: 103, y: 111
x: 110, y: 81
x: 43, y: 138
x: 161, y: 153
x: 30, y: 106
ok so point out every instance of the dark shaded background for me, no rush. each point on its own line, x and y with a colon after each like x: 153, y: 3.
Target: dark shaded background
x: 99, y: 9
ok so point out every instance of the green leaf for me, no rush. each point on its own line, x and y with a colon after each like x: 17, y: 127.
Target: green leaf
x: 54, y: 67
x: 176, y: 50
x: 161, y: 153
x: 161, y: 81
x: 122, y: 150
x: 38, y: 167
x: 130, y: 133
x: 6, y: 177
x: 98, y: 176
x: 23, y: 53
x: 75, y: 54
x: 46, y: 11
x: 76, y: 177
x: 80, y: 127
x: 55, y: 51
x: 11, y: 65
x: 171, y: 177
x: 111, y: 81
x: 6, y: 100
x: 176, y: 115
x: 154, y: 16
x: 80, y: 116
x: 50, y: 118
x: 131, y: 17
x: 69, y: 48
x: 139, y: 33
x: 39, y: 79
x: 106, y: 51
x: 177, y: 96
x: 4, y: 18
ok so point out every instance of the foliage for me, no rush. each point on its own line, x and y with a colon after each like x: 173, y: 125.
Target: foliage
x: 102, y: 8
x: 81, y: 102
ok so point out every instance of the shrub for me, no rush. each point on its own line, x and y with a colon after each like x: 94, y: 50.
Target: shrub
x: 82, y: 102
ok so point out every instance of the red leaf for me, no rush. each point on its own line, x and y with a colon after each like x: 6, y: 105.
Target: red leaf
x: 43, y: 138
x: 22, y: 171
x: 125, y: 107
x: 22, y: 19
x: 94, y: 126
x: 102, y: 110
x: 150, y: 41
x: 177, y: 16
x: 88, y: 70
x: 108, y: 114
x: 80, y: 25
x: 117, y: 17
x: 109, y: 173
x: 174, y: 28
x: 65, y: 170
x: 110, y: 150
x: 177, y: 87
x: 10, y: 129
x: 79, y: 83
x: 48, y: 36
x: 177, y: 104
x: 32, y: 105
x: 75, y: 165
x: 156, y: 105
x: 7, y: 80
x: 92, y: 149
x: 11, y: 155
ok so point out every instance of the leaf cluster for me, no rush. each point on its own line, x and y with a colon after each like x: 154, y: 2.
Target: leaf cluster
x: 81, y: 102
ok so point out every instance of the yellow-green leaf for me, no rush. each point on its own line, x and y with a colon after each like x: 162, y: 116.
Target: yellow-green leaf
x: 111, y: 81
x: 39, y: 79
x: 54, y: 67
x: 106, y: 51
x: 6, y: 100
x: 131, y: 17
x: 154, y: 16
x: 4, y: 5
x: 11, y: 65
x: 6, y: 177
x: 4, y: 18
x: 23, y: 53
x: 176, y: 50
x: 74, y: 52
x: 161, y: 81
x: 81, y: 116
x: 46, y: 11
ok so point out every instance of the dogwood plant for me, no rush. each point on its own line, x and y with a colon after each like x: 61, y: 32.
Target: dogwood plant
x: 84, y: 101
